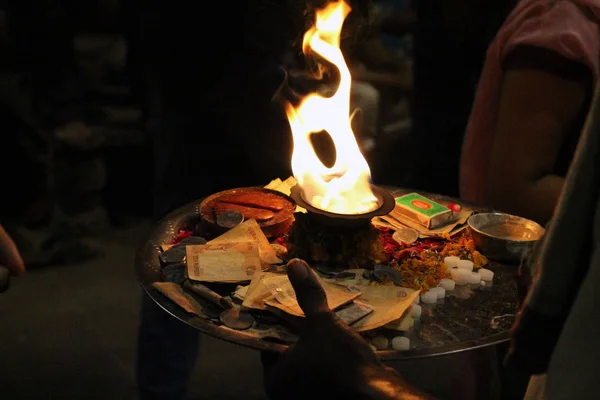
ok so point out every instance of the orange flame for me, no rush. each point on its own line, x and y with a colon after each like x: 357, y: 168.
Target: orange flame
x: 344, y: 188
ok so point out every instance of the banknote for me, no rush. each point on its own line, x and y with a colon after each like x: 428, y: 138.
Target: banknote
x: 223, y: 262
x: 249, y: 231
x: 389, y: 303
x: 284, y: 297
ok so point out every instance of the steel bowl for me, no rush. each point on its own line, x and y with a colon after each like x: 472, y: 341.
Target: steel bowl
x: 503, y: 237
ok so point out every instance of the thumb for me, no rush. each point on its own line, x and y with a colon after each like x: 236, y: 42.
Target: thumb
x: 309, y: 292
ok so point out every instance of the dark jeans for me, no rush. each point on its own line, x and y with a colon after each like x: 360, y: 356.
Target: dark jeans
x: 167, y: 350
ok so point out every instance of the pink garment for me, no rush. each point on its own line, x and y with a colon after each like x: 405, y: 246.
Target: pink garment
x: 567, y: 27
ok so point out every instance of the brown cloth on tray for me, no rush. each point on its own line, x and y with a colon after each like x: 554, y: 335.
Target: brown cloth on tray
x: 557, y: 328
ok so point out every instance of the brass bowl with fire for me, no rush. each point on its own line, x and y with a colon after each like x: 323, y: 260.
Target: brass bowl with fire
x: 385, y: 202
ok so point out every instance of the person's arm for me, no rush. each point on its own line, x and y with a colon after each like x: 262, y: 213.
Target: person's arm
x: 537, y: 110
x: 9, y: 254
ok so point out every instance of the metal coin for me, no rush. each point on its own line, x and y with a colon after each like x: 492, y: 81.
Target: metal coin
x: 192, y: 240
x: 175, y: 254
x: 237, y: 319
x: 230, y: 219
x: 387, y: 274
x: 280, y: 250
x: 175, y: 273
x: 382, y: 275
x: 405, y: 235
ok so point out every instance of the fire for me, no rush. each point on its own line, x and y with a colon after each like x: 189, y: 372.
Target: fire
x: 345, y: 187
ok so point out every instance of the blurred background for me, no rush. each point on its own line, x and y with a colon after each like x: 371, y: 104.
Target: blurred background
x: 76, y: 164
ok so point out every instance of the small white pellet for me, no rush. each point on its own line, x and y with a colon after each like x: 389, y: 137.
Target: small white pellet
x: 451, y: 261
x: 447, y: 284
x: 465, y: 264
x: 486, y: 274
x: 429, y: 297
x: 380, y: 342
x: 460, y: 276
x: 415, y: 311
x: 401, y: 343
x: 440, y: 291
x: 474, y: 278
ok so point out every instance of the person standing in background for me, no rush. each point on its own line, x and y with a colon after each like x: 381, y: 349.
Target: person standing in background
x: 532, y: 101
x: 450, y: 43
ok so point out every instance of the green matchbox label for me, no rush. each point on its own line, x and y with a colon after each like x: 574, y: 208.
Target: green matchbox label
x: 420, y: 204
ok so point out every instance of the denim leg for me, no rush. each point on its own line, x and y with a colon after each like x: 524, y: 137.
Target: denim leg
x: 167, y: 350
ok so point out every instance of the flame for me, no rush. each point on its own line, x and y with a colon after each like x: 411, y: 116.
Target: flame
x: 345, y: 187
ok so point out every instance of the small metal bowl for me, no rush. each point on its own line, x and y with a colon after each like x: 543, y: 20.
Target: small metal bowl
x: 503, y: 237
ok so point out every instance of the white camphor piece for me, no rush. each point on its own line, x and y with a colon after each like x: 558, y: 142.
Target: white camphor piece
x: 380, y: 342
x: 440, y: 291
x: 447, y: 284
x: 451, y: 261
x: 401, y: 343
x: 465, y: 264
x: 460, y: 276
x: 474, y: 278
x: 415, y: 311
x: 486, y: 274
x: 429, y: 297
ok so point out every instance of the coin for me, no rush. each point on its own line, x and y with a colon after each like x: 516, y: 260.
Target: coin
x: 405, y: 235
x: 175, y: 254
x: 280, y: 250
x: 175, y: 273
x: 237, y: 319
x: 192, y: 240
x: 230, y: 219
x: 384, y: 273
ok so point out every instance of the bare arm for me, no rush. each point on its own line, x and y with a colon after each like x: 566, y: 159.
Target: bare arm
x: 9, y: 254
x: 536, y: 111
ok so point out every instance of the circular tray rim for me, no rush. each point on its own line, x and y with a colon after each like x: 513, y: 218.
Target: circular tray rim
x: 148, y: 272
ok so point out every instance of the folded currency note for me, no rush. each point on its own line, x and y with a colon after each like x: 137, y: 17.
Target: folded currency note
x: 284, y: 297
x: 223, y: 262
x: 249, y: 231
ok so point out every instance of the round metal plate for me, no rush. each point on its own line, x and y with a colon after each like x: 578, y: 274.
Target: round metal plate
x: 456, y: 325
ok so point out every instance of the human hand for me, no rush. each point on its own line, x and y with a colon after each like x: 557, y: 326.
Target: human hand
x: 10, y: 259
x: 329, y: 359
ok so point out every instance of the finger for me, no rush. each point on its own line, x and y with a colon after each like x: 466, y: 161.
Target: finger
x: 309, y: 292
